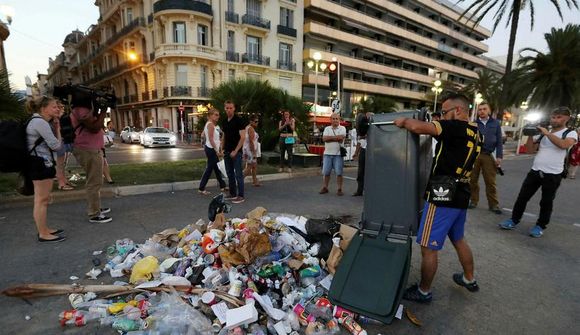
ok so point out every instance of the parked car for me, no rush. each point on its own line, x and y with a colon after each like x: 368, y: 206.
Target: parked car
x: 130, y: 135
x: 157, y: 137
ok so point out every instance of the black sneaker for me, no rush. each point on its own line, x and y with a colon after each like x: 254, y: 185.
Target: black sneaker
x: 105, y: 210
x: 100, y: 219
x: 413, y: 294
x: 60, y: 238
x: 458, y: 279
x: 496, y: 210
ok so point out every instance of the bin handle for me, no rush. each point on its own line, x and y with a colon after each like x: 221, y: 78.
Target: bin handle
x: 384, y: 123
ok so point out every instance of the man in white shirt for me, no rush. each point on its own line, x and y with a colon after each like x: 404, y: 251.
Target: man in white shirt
x: 552, y: 147
x: 333, y: 136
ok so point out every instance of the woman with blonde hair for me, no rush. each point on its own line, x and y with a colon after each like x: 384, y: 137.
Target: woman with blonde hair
x: 213, y: 151
x: 42, y: 142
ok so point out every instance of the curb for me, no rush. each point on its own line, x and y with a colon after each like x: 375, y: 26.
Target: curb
x: 120, y: 191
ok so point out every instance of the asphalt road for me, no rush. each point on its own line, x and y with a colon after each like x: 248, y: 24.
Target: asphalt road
x: 528, y: 286
x: 122, y: 153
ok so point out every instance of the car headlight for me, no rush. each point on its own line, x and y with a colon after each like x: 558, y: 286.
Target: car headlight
x: 172, y: 138
x: 147, y: 138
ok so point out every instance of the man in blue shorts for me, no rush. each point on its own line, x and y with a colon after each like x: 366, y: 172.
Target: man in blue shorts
x: 459, y: 144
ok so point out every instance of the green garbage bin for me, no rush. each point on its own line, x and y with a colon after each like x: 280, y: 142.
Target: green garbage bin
x: 373, y: 272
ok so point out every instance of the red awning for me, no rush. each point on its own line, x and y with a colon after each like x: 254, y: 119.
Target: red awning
x: 326, y: 120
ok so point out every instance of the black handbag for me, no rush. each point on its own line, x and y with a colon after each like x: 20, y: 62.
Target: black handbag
x: 25, y: 185
x: 342, y: 151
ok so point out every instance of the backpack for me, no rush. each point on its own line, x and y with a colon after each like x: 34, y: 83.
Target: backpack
x: 67, y: 131
x: 14, y: 153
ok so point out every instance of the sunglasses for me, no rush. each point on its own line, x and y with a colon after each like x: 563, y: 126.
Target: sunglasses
x: 445, y: 111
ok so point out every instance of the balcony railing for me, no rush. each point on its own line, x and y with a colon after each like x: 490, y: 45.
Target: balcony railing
x: 150, y: 19
x: 179, y: 49
x: 154, y: 94
x: 152, y: 56
x: 203, y: 92
x: 232, y: 56
x: 232, y: 17
x: 255, y: 59
x: 133, y: 98
x: 286, y: 31
x: 177, y: 91
x: 256, y: 21
x: 282, y: 65
x: 196, y: 6
x: 145, y: 96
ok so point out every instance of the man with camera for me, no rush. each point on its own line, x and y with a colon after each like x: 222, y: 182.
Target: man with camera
x: 551, y: 147
x: 490, y: 128
x: 447, y: 195
x: 89, y: 140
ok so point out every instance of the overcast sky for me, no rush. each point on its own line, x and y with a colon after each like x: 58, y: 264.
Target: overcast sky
x: 40, y: 26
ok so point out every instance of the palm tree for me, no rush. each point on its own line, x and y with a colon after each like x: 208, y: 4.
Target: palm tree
x: 12, y: 106
x: 550, y: 79
x: 489, y: 85
x: 513, y: 8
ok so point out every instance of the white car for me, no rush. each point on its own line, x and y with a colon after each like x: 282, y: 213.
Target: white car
x: 157, y: 137
x: 130, y: 135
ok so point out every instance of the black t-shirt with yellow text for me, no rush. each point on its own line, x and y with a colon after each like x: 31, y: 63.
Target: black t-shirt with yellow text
x: 458, y: 144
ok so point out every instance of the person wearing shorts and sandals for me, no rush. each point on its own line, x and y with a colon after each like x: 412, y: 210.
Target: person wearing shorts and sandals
x: 212, y: 148
x: 332, y: 137
x: 459, y: 144
x: 42, y: 142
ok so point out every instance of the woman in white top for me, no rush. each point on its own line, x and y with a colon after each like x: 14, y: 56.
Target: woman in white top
x: 251, y: 150
x: 213, y: 152
x: 42, y: 142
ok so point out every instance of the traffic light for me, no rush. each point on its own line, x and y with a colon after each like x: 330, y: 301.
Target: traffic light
x: 333, y: 76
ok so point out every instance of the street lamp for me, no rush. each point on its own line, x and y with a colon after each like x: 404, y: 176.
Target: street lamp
x: 437, y: 89
x: 317, y: 56
x: 524, y: 107
x: 477, y: 99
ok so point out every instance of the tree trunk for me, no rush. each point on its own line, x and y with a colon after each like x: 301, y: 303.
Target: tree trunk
x: 517, y: 6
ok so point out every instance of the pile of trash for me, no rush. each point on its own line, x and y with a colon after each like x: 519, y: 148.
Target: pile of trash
x: 263, y: 274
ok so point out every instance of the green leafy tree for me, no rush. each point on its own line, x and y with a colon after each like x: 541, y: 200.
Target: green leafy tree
x: 377, y: 105
x: 550, y: 79
x: 11, y: 106
x: 259, y: 97
x: 513, y: 8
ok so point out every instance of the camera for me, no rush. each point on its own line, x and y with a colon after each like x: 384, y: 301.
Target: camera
x: 84, y: 96
x: 531, y: 129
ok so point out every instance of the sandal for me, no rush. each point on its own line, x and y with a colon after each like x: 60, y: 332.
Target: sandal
x: 257, y: 185
x: 203, y: 192
x: 66, y: 187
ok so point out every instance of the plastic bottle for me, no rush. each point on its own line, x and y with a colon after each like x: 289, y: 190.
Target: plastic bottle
x: 310, y: 272
x: 126, y: 325
x: 81, y: 319
x: 269, y: 258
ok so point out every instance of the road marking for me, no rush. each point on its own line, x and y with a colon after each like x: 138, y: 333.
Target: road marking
x: 577, y: 225
x: 525, y: 213
x: 349, y: 178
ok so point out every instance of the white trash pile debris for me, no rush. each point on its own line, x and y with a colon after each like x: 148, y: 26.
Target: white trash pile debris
x: 256, y: 275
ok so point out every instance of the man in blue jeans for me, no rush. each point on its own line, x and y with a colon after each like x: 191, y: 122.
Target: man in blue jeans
x: 234, y: 136
x: 333, y: 136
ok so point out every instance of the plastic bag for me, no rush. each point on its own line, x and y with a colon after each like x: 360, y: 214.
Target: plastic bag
x: 173, y: 316
x: 143, y: 270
